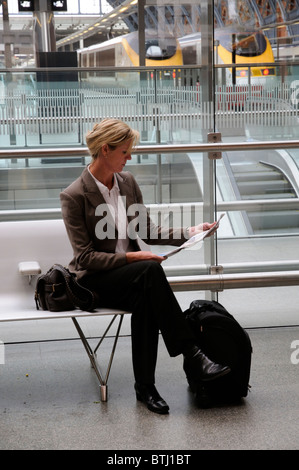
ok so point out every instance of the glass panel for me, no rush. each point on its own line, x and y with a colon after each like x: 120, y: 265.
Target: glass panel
x: 240, y: 79
x: 165, y: 178
x: 257, y: 101
x: 37, y: 109
x: 35, y: 183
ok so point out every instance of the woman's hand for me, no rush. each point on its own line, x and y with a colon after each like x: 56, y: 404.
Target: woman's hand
x: 133, y: 256
x: 202, y: 228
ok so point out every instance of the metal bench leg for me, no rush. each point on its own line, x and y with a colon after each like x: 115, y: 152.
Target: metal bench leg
x: 104, y: 392
x: 92, y: 354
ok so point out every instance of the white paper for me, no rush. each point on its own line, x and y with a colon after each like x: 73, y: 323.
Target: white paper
x: 193, y: 240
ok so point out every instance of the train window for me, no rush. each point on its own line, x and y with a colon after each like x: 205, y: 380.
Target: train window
x: 153, y: 52
x: 106, y: 58
x: 245, y: 44
x: 189, y: 55
x: 156, y: 48
x: 166, y: 47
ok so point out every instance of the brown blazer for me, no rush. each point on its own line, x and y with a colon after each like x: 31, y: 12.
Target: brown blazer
x: 92, y: 253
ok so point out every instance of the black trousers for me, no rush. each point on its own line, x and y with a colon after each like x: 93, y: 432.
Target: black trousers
x: 142, y: 288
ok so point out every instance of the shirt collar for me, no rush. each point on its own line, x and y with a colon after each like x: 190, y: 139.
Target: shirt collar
x: 104, y: 188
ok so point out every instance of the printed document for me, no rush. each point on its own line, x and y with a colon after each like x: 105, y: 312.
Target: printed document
x: 193, y: 240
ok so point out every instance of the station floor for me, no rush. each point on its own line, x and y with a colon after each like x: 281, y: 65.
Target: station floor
x: 50, y: 401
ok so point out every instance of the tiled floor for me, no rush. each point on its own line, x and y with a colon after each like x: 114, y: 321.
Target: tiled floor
x: 50, y: 400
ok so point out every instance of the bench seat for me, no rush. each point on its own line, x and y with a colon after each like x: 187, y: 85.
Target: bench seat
x: 11, y: 312
x: 29, y: 247
x: 16, y: 314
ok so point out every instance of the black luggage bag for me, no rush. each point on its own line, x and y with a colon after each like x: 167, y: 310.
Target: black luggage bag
x: 225, y: 342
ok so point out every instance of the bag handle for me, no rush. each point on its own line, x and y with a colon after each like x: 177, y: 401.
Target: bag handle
x: 79, y: 295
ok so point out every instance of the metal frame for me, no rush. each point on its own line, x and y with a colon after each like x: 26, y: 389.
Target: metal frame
x: 82, y: 151
x: 92, y: 353
x: 214, y: 282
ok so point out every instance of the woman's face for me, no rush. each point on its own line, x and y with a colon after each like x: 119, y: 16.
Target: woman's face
x: 116, y: 159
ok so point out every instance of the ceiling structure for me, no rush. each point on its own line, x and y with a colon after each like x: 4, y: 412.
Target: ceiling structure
x: 279, y: 19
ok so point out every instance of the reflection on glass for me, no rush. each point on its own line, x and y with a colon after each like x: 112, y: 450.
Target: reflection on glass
x: 255, y: 100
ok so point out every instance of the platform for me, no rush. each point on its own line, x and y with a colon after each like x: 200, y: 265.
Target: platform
x: 50, y: 400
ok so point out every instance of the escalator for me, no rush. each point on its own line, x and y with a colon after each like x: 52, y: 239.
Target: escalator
x: 258, y: 180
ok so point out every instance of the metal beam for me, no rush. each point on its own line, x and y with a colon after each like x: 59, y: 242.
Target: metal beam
x: 220, y: 282
x: 153, y: 149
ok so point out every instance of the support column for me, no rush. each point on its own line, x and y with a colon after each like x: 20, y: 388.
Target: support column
x: 141, y: 32
x: 44, y: 29
x: 207, y: 100
x: 8, y: 76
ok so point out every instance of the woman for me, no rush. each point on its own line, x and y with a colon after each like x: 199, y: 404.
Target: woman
x: 103, y: 212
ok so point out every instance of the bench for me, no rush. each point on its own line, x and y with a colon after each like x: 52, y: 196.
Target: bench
x: 29, y: 247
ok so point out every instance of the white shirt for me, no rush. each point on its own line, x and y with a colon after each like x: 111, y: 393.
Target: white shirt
x: 115, y: 200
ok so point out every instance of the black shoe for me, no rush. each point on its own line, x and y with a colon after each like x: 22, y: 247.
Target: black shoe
x: 149, y: 395
x: 200, y: 367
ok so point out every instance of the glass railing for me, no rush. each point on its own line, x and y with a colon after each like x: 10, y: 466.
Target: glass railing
x: 250, y: 172
x: 166, y: 106
x: 257, y: 183
x: 256, y: 245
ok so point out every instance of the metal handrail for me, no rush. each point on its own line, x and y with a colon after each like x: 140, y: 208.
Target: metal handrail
x: 232, y: 268
x: 142, y: 68
x: 42, y: 152
x: 222, y: 206
x: 191, y: 277
x: 82, y: 151
x: 220, y: 282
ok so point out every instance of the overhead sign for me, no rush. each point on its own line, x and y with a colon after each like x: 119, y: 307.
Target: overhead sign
x: 58, y: 5
x: 42, y: 5
x: 26, y: 5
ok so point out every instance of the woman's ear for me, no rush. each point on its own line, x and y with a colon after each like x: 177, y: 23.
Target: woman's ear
x: 105, y: 149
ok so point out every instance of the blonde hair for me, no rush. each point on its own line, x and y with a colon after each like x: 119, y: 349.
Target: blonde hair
x: 112, y: 132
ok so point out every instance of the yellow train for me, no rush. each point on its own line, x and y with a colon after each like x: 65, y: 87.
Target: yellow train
x: 123, y: 51
x: 168, y: 53
x: 233, y: 46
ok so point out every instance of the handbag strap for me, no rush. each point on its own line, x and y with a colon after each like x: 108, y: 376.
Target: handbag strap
x: 79, y: 295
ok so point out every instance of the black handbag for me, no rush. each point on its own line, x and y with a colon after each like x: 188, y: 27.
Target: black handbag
x: 58, y: 291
